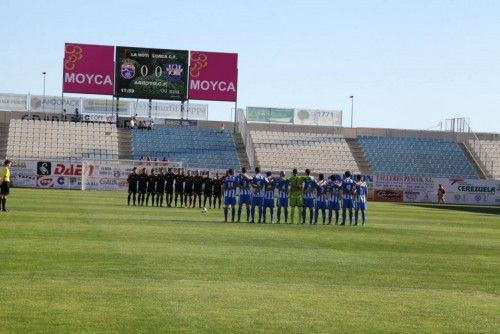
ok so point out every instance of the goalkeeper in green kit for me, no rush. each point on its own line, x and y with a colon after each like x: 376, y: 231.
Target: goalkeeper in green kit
x: 296, y: 183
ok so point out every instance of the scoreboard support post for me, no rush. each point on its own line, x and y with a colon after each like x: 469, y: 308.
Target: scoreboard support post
x: 116, y: 110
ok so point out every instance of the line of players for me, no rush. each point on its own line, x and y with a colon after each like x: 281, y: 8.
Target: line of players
x: 172, y: 188
x: 255, y: 192
x: 302, y: 192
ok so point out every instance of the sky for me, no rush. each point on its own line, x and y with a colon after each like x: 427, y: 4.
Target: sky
x: 408, y: 64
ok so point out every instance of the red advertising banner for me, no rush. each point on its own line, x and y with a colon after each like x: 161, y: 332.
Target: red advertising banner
x: 213, y: 76
x: 88, y: 69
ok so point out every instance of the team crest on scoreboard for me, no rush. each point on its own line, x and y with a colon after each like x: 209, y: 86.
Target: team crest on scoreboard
x: 127, y: 70
x: 174, y: 71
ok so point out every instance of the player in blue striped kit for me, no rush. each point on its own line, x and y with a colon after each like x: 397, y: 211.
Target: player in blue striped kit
x: 308, y: 194
x: 333, y: 191
x: 258, y: 182
x: 360, y: 202
x: 243, y: 182
x: 229, y: 187
x: 321, y: 187
x: 348, y: 190
x: 269, y: 197
x: 283, y: 194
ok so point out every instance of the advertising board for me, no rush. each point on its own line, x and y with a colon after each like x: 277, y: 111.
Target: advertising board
x: 213, y: 76
x: 54, y: 104
x: 162, y: 109
x: 269, y: 115
x: 14, y: 102
x: 88, y: 69
x: 415, y: 189
x: 317, y: 117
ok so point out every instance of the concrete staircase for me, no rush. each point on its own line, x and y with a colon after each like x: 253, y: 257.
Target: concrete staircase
x: 124, y: 144
x: 359, y: 156
x: 474, y: 160
x: 240, y: 148
x: 4, y: 137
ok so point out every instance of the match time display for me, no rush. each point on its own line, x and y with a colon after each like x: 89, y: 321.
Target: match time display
x: 151, y: 73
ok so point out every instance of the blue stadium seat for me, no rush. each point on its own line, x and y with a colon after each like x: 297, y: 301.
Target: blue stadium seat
x: 194, y: 147
x: 416, y: 156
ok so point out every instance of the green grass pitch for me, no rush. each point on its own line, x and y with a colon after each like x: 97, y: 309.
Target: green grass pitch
x: 74, y: 261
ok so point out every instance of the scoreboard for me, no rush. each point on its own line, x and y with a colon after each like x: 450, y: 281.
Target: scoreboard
x: 144, y: 73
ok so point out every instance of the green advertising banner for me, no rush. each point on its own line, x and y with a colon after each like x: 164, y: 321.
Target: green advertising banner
x: 151, y: 73
x: 269, y: 115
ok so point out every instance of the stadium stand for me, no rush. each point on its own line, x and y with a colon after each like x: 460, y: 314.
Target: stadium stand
x: 416, y: 156
x: 488, y: 152
x: 4, y: 138
x: 194, y: 147
x: 321, y: 152
x: 68, y: 141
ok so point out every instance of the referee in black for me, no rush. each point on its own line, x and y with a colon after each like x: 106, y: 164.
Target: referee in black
x: 4, y: 184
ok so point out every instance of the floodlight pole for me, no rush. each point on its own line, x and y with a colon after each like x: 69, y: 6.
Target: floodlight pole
x: 43, y: 101
x: 352, y: 107
x: 236, y: 104
x: 235, y: 116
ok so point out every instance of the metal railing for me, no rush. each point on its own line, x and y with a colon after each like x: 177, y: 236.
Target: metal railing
x: 485, y: 163
x: 460, y: 127
x: 247, y: 138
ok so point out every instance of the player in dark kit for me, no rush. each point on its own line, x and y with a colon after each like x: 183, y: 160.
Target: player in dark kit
x: 208, y: 190
x: 160, y: 187
x: 151, y: 188
x: 132, y: 186
x: 169, y: 187
x: 143, y: 186
x: 217, y: 190
x: 197, y: 189
x: 188, y: 190
x: 179, y: 187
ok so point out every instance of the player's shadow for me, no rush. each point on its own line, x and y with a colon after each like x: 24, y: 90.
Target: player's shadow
x: 492, y: 210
